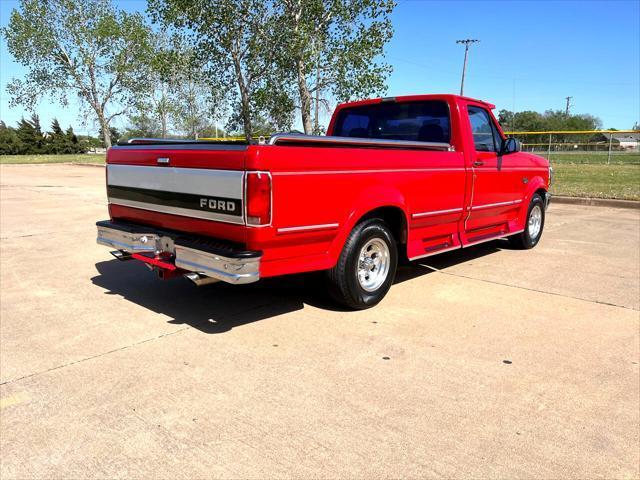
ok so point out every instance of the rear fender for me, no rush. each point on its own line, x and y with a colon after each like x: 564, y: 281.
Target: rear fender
x: 368, y: 201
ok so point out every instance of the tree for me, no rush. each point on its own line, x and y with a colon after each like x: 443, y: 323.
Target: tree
x: 158, y: 100
x: 332, y: 47
x: 263, y: 126
x: 9, y: 142
x: 529, y: 121
x: 88, y: 142
x: 63, y: 142
x: 56, y: 139
x: 30, y: 135
x: 28, y: 138
x: 180, y: 93
x: 234, y: 43
x: 114, y: 134
x: 73, y: 144
x: 213, y: 131
x: 82, y: 47
x: 198, y: 102
x: 550, y: 120
x: 141, y: 125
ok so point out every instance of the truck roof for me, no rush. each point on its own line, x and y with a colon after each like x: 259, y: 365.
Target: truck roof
x: 409, y: 98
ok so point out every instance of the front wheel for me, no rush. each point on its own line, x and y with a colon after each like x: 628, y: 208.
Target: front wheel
x: 366, y: 267
x: 534, y: 225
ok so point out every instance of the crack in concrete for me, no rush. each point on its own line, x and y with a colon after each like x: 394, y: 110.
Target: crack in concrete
x: 7, y: 382
x: 35, y: 235
x: 24, y: 236
x: 599, y: 302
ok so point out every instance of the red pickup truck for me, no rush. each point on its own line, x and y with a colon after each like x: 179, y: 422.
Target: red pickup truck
x: 404, y: 177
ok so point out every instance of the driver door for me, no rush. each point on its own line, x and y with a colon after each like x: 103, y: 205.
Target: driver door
x: 495, y: 198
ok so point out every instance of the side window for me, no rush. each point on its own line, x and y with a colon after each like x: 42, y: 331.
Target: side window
x: 485, y: 135
x: 497, y: 139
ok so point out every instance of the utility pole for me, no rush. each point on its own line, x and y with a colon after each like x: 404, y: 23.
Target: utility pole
x: 566, y: 110
x: 316, y: 126
x: 466, y: 43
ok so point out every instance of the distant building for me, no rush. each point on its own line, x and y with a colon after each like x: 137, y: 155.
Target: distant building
x: 627, y: 141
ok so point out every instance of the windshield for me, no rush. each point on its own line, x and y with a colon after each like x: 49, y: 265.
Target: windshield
x: 426, y: 121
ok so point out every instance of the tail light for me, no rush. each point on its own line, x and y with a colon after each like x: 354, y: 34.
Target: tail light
x: 258, y: 198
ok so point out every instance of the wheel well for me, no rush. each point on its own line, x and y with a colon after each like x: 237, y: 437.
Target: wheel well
x: 541, y: 192
x: 394, y: 218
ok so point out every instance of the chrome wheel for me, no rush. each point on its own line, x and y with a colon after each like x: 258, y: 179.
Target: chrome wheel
x: 535, y: 222
x: 373, y: 264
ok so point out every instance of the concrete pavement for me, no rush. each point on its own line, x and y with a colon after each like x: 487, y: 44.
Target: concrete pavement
x: 488, y: 362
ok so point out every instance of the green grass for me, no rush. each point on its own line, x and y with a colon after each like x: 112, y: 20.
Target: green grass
x: 621, y: 158
x: 76, y: 158
x: 597, y: 181
x: 575, y: 175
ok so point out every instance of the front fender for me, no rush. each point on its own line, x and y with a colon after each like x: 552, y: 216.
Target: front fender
x: 368, y: 200
x: 536, y: 183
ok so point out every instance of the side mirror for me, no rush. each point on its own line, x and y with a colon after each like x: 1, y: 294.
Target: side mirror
x: 511, y: 145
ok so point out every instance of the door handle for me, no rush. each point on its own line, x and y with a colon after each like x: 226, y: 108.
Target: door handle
x: 478, y: 163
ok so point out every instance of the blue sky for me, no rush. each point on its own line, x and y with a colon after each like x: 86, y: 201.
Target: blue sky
x: 531, y: 56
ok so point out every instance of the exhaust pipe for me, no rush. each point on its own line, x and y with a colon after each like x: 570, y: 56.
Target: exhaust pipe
x: 199, y: 280
x: 121, y: 255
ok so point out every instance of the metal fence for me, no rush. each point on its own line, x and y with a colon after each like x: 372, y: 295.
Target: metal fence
x: 565, y: 146
x: 589, y: 146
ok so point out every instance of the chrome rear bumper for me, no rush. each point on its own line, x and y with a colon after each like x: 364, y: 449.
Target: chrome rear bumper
x: 547, y: 200
x: 129, y: 240
x: 230, y: 270
x: 204, y: 256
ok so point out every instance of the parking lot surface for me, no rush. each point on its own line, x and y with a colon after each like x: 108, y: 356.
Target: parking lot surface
x: 487, y: 362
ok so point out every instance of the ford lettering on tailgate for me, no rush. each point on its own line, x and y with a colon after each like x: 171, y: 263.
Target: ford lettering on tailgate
x: 222, y: 205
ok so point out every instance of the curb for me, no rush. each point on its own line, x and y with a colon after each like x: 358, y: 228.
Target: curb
x: 44, y: 164
x: 596, y: 202
x: 86, y: 164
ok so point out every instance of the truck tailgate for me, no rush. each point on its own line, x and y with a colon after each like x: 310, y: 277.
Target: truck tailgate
x: 195, y: 188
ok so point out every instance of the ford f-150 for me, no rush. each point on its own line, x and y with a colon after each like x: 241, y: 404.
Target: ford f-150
x: 394, y: 178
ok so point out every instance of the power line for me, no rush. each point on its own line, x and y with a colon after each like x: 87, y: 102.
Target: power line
x: 444, y: 68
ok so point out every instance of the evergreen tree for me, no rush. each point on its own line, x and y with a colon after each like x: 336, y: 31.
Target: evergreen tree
x: 30, y: 135
x: 9, y: 142
x: 72, y: 143
x: 56, y: 140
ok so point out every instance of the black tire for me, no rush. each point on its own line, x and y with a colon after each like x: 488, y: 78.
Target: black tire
x: 343, y: 279
x: 524, y: 240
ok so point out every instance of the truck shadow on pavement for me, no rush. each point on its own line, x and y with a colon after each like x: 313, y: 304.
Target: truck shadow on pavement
x: 219, y: 307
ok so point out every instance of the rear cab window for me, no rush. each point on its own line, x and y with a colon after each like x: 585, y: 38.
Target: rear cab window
x: 421, y: 121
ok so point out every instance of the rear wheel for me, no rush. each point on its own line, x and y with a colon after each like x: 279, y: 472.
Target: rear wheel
x: 366, y: 267
x: 534, y: 225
